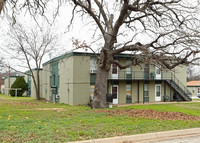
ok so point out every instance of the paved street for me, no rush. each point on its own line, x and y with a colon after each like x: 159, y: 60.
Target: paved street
x: 187, y: 139
x: 175, y: 136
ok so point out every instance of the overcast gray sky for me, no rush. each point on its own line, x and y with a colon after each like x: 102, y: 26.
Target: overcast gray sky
x: 60, y: 26
x: 82, y: 29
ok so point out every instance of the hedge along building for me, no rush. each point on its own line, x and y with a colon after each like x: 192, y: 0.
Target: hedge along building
x: 6, y: 83
x: 72, y: 77
x: 31, y: 92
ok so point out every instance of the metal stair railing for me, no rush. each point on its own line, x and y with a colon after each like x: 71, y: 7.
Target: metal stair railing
x: 179, y: 87
x: 180, y: 84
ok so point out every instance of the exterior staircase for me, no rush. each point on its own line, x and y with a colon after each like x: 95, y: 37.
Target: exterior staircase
x: 179, y: 88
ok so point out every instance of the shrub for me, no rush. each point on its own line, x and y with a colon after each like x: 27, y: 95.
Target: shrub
x: 19, y: 83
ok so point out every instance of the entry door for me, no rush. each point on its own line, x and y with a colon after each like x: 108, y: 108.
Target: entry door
x: 114, y: 71
x: 115, y: 94
x: 158, y: 92
x: 158, y: 72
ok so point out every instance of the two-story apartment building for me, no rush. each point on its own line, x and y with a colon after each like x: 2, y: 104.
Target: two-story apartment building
x: 31, y: 92
x: 70, y: 79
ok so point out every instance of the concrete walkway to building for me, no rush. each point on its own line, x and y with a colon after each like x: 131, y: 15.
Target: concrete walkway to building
x: 149, y: 137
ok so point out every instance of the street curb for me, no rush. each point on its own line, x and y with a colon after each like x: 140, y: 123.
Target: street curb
x: 145, y: 137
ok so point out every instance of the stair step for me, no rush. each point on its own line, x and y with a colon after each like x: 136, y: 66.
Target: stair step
x: 178, y: 89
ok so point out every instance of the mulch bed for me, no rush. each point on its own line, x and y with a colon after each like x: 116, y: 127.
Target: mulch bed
x: 150, y: 114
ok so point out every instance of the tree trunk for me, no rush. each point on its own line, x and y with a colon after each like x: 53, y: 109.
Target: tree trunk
x: 100, y: 89
x: 38, y: 86
x: 1, y: 5
x: 37, y: 95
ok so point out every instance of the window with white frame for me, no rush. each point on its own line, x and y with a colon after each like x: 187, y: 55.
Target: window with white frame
x: 146, y: 90
x: 158, y: 69
x: 114, y: 69
x: 93, y: 63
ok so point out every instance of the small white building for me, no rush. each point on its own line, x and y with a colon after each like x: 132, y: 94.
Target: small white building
x: 3, y: 89
x: 194, y: 88
x: 6, y: 83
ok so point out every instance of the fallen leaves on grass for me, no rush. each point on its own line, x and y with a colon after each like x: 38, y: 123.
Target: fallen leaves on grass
x: 48, y: 109
x: 17, y: 103
x: 151, y: 114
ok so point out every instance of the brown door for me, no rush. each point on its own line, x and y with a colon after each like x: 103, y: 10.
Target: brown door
x: 115, y: 94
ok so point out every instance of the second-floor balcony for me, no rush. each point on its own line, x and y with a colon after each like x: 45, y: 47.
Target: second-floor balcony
x: 140, y: 75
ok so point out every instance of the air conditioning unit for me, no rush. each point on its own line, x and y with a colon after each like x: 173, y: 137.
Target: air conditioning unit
x: 93, y: 71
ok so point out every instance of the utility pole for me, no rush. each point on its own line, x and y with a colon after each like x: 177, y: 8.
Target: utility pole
x: 8, y: 80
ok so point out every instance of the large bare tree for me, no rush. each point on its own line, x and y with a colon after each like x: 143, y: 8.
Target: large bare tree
x: 30, y: 46
x: 165, y: 31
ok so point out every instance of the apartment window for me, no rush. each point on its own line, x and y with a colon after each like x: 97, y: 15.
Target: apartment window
x: 193, y: 90
x: 198, y: 89
x: 128, y: 70
x: 146, y: 90
x: 128, y: 89
x: 114, y: 69
x: 158, y: 70
x: 158, y: 91
x: 146, y: 65
x: 93, y: 64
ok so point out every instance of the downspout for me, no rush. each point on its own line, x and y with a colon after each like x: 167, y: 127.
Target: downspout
x: 143, y: 92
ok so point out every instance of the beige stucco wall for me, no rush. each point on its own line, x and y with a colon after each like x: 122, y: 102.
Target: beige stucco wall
x: 152, y: 91
x: 181, y: 74
x: 75, y: 80
x: 46, y: 82
x: 81, y: 79
x: 66, y: 80
x: 122, y: 92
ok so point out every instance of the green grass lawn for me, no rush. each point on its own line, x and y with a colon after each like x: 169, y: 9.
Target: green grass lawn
x: 198, y: 99
x: 21, y: 122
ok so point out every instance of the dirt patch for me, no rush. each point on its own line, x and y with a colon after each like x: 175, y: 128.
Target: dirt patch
x: 151, y: 114
x: 17, y: 103
x: 48, y: 109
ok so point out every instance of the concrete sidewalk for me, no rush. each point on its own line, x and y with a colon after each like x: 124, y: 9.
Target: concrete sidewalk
x: 145, y: 138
